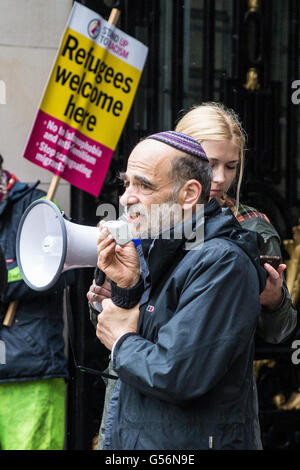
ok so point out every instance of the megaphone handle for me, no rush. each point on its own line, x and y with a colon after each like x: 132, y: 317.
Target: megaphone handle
x: 99, y: 277
x: 10, y: 314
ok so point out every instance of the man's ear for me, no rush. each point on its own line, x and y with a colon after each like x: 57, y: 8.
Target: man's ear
x: 189, y: 194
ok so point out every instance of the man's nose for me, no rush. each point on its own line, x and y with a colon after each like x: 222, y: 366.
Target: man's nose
x: 129, y: 198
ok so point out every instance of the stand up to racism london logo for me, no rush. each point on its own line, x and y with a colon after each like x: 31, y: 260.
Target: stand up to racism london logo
x: 87, y: 100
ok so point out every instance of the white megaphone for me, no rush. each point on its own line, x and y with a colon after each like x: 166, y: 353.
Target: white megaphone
x: 49, y: 244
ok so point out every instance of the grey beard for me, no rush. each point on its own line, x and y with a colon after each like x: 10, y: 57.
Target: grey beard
x: 161, y: 219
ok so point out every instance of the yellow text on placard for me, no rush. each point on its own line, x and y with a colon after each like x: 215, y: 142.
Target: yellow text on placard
x: 90, y: 89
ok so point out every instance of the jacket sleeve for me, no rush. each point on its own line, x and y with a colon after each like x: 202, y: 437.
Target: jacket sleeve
x: 276, y: 326
x: 212, y: 326
x: 18, y: 290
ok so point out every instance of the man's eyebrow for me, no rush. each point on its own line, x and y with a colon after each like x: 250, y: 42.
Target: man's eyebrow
x: 144, y: 180
x: 123, y: 176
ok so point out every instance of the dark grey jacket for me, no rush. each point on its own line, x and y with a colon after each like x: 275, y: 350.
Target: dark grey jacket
x: 186, y: 379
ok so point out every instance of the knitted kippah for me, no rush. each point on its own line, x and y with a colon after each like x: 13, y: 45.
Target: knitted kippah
x: 180, y: 141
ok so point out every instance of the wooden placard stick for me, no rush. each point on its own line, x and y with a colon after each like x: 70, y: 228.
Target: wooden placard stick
x: 114, y: 16
x: 10, y: 314
x: 53, y: 187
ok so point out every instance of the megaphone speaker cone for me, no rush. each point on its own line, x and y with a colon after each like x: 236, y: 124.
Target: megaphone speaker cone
x: 48, y: 244
x: 41, y: 244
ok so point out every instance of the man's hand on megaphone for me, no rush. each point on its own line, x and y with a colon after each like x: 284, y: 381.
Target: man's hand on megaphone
x: 99, y: 293
x: 121, y: 264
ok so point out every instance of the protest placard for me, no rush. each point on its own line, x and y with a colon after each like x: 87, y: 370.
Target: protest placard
x: 87, y: 100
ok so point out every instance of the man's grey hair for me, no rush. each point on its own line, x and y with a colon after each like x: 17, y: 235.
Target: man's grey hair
x: 184, y: 168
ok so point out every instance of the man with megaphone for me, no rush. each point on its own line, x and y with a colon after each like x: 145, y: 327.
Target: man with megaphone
x: 184, y: 351
x: 32, y: 379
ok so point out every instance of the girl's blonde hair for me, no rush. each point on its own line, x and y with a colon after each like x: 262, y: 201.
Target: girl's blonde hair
x: 213, y: 121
